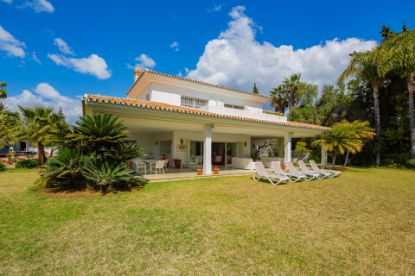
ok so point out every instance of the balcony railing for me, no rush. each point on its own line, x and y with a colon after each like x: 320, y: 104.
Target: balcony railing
x: 245, y: 113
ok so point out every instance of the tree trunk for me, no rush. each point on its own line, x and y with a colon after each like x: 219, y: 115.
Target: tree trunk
x: 41, y: 155
x: 346, y: 159
x: 334, y: 160
x: 411, y: 87
x: 375, y: 88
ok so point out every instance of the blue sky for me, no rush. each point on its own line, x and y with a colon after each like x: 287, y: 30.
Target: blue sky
x: 228, y: 42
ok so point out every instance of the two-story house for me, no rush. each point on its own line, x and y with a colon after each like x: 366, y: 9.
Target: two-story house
x: 198, y: 122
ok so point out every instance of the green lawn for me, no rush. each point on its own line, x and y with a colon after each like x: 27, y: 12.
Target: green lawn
x: 362, y: 222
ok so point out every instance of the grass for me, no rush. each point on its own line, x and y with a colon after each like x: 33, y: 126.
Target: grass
x: 360, y: 223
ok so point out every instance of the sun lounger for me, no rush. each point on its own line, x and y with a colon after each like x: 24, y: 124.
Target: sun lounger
x: 310, y: 173
x: 294, y: 177
x: 315, y: 168
x: 293, y: 170
x: 261, y: 173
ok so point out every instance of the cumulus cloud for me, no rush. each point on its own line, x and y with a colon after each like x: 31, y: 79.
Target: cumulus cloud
x: 63, y: 46
x: 144, y: 61
x: 46, y: 95
x: 10, y: 45
x: 35, y: 58
x: 175, y: 46
x: 92, y: 65
x: 237, y: 59
x: 39, y: 6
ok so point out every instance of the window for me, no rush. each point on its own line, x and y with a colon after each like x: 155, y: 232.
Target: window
x: 234, y: 106
x: 193, y: 102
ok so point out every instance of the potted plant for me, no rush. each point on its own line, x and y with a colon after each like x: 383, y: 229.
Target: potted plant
x: 199, y: 171
x: 216, y: 170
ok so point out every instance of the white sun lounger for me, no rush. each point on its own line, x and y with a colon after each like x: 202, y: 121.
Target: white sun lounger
x: 310, y: 173
x: 292, y: 169
x: 315, y: 168
x: 261, y: 173
x: 294, y: 177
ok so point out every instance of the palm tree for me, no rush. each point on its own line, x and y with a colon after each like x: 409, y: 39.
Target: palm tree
x: 399, y: 52
x: 98, y: 133
x: 291, y: 92
x: 359, y: 130
x: 40, y: 125
x: 364, y: 66
x: 3, y: 90
x: 345, y: 137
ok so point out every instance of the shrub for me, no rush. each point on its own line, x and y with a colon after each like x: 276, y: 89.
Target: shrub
x: 28, y: 164
x: 2, y: 166
x: 410, y: 163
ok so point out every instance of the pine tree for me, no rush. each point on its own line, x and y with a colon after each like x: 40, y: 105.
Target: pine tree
x: 255, y: 89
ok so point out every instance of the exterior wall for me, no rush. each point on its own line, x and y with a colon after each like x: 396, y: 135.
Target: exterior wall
x: 216, y: 102
x: 151, y: 142
x: 187, y: 136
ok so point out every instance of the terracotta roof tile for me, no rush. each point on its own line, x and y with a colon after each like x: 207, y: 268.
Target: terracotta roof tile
x: 180, y: 109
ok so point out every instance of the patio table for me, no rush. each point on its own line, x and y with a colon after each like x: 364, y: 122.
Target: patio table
x: 150, y: 163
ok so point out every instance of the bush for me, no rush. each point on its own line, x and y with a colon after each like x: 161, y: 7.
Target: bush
x: 2, y: 166
x: 410, y: 163
x: 28, y: 164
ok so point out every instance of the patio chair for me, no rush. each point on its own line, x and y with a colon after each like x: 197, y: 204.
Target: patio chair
x: 293, y: 170
x: 193, y: 162
x: 332, y: 173
x: 310, y: 173
x: 166, y: 165
x: 140, y: 167
x: 159, y: 166
x: 261, y: 173
x: 294, y: 177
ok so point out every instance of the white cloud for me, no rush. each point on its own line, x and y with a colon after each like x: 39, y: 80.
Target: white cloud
x: 39, y: 6
x: 92, y: 65
x: 63, y: 46
x: 175, y: 46
x: 11, y: 45
x: 237, y: 59
x: 215, y: 8
x: 35, y: 58
x: 46, y: 95
x: 144, y: 61
x: 7, y: 1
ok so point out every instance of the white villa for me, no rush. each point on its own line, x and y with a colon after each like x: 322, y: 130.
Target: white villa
x: 199, y: 123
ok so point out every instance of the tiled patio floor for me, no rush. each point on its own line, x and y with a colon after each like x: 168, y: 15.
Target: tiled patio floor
x: 173, y: 174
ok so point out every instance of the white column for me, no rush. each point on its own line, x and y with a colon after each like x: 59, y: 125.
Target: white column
x: 323, y: 156
x: 287, y: 146
x: 207, y: 149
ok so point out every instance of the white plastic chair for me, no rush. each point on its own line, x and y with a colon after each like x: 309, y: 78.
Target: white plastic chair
x: 166, y: 165
x: 159, y: 166
x: 315, y: 168
x: 261, y: 173
x: 294, y: 177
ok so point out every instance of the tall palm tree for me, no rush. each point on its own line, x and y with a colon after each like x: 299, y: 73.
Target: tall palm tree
x: 399, y: 52
x: 364, y: 66
x: 3, y: 90
x: 291, y: 92
x: 40, y: 125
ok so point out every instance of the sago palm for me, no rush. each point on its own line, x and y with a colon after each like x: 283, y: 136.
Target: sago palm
x: 339, y: 140
x: 97, y: 133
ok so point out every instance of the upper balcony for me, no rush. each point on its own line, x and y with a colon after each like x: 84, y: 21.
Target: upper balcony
x: 255, y: 114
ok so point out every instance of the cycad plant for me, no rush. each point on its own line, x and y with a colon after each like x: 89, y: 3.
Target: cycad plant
x: 107, y: 175
x: 345, y: 137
